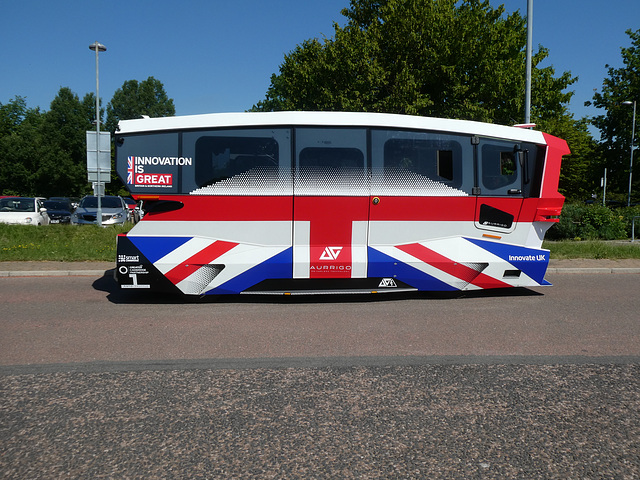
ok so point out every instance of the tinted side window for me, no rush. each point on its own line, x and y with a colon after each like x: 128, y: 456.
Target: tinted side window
x: 331, y: 161
x: 331, y: 158
x: 418, y: 163
x: 500, y: 170
x: 220, y: 158
x: 240, y: 162
x: 428, y: 158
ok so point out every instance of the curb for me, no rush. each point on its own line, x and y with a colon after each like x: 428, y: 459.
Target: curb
x: 53, y: 273
x: 562, y: 270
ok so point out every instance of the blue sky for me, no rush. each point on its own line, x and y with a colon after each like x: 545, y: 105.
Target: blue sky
x: 218, y: 55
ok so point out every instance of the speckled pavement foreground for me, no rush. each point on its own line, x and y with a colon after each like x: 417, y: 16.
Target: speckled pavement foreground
x: 429, y: 421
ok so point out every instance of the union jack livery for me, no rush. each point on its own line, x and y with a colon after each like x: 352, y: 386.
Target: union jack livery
x: 327, y: 202
x: 131, y: 163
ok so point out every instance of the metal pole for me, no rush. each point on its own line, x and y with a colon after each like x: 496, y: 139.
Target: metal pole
x: 633, y: 132
x: 527, y: 100
x: 98, y: 47
x: 99, y: 212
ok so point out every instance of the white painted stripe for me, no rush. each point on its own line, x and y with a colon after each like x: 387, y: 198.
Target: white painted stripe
x: 182, y: 253
x: 403, y: 232
x: 359, y: 249
x: 301, y: 250
x: 236, y: 261
x: 267, y: 233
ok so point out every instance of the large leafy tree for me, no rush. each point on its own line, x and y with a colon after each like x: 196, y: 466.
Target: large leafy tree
x: 135, y: 99
x: 622, y: 85
x: 578, y: 176
x: 12, y: 115
x: 21, y: 145
x: 63, y: 169
x: 447, y: 58
x: 444, y: 58
x: 44, y: 153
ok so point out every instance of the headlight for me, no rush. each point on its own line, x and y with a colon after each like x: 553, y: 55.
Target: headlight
x: 117, y: 215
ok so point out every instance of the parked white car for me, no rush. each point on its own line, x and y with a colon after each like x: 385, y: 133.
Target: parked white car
x: 23, y: 211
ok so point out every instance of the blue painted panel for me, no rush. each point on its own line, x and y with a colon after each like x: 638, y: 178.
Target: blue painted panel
x: 385, y: 266
x: 278, y: 266
x: 154, y: 248
x: 531, y: 261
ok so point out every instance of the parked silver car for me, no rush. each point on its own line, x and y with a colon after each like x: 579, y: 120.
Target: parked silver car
x: 114, y: 211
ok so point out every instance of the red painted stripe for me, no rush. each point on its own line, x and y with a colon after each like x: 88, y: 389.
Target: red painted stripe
x: 203, y: 208
x: 453, y: 209
x: 203, y: 257
x: 256, y: 208
x: 447, y: 265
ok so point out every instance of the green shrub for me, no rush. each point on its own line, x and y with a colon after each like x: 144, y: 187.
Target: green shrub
x: 628, y: 213
x: 590, y: 222
x: 600, y: 222
x: 568, y: 226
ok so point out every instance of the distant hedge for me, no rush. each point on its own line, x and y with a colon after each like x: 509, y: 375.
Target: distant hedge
x: 594, y: 222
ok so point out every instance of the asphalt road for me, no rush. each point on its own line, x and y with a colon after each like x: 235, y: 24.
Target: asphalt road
x: 53, y: 320
x: 541, y: 383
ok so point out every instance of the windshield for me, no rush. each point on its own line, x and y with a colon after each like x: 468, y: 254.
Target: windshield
x: 106, y: 202
x: 56, y: 205
x: 17, y: 205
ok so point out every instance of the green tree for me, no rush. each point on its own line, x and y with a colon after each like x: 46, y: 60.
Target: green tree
x: 445, y: 58
x: 135, y: 99
x: 442, y: 58
x: 622, y: 84
x: 62, y: 170
x: 44, y: 154
x: 12, y: 115
x: 21, y: 146
x: 579, y: 175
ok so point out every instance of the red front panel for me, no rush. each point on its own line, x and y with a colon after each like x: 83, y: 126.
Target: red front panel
x: 330, y: 236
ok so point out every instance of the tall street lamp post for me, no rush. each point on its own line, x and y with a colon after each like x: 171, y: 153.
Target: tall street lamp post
x: 527, y: 94
x: 633, y: 132
x: 98, y: 47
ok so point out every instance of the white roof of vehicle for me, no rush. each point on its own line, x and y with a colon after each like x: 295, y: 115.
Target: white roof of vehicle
x: 326, y: 119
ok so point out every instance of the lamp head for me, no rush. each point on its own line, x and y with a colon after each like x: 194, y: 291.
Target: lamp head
x: 97, y: 46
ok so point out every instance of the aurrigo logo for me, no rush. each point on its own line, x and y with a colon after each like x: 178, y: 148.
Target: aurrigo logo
x: 331, y: 253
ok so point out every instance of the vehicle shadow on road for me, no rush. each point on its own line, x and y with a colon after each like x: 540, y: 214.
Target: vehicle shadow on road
x: 116, y: 295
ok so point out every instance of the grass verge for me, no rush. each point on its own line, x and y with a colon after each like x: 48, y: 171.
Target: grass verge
x: 70, y: 243
x: 615, y: 249
x: 62, y: 243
